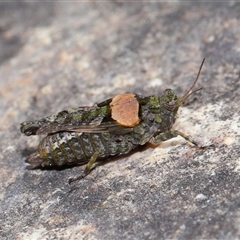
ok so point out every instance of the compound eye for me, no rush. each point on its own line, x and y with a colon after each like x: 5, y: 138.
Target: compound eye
x: 170, y: 105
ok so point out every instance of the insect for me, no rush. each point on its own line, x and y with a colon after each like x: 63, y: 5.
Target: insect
x: 113, y: 127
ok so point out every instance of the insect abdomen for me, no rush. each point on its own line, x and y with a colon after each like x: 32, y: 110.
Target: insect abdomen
x: 70, y: 148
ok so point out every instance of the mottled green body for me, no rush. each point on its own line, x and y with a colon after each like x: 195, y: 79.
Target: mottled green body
x: 74, y: 135
x: 86, y: 134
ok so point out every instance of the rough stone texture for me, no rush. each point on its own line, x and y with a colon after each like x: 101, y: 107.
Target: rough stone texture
x: 59, y: 55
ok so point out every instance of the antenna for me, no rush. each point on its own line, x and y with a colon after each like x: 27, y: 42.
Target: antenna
x: 188, y: 93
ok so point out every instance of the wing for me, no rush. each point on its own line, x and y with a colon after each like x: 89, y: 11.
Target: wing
x: 93, y: 119
x: 111, y: 126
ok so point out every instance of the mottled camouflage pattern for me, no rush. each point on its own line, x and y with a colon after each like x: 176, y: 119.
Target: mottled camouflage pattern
x: 75, y: 135
x: 86, y: 134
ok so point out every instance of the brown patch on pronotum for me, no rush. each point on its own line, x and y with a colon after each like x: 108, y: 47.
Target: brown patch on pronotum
x: 125, y: 109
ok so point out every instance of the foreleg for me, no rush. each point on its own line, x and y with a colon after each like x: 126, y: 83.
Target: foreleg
x: 164, y: 136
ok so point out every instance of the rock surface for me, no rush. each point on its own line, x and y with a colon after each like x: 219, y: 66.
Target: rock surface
x: 59, y: 55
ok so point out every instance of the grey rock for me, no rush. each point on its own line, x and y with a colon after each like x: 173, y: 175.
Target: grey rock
x: 60, y: 55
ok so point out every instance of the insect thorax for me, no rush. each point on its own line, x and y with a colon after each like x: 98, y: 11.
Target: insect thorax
x: 155, y: 116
